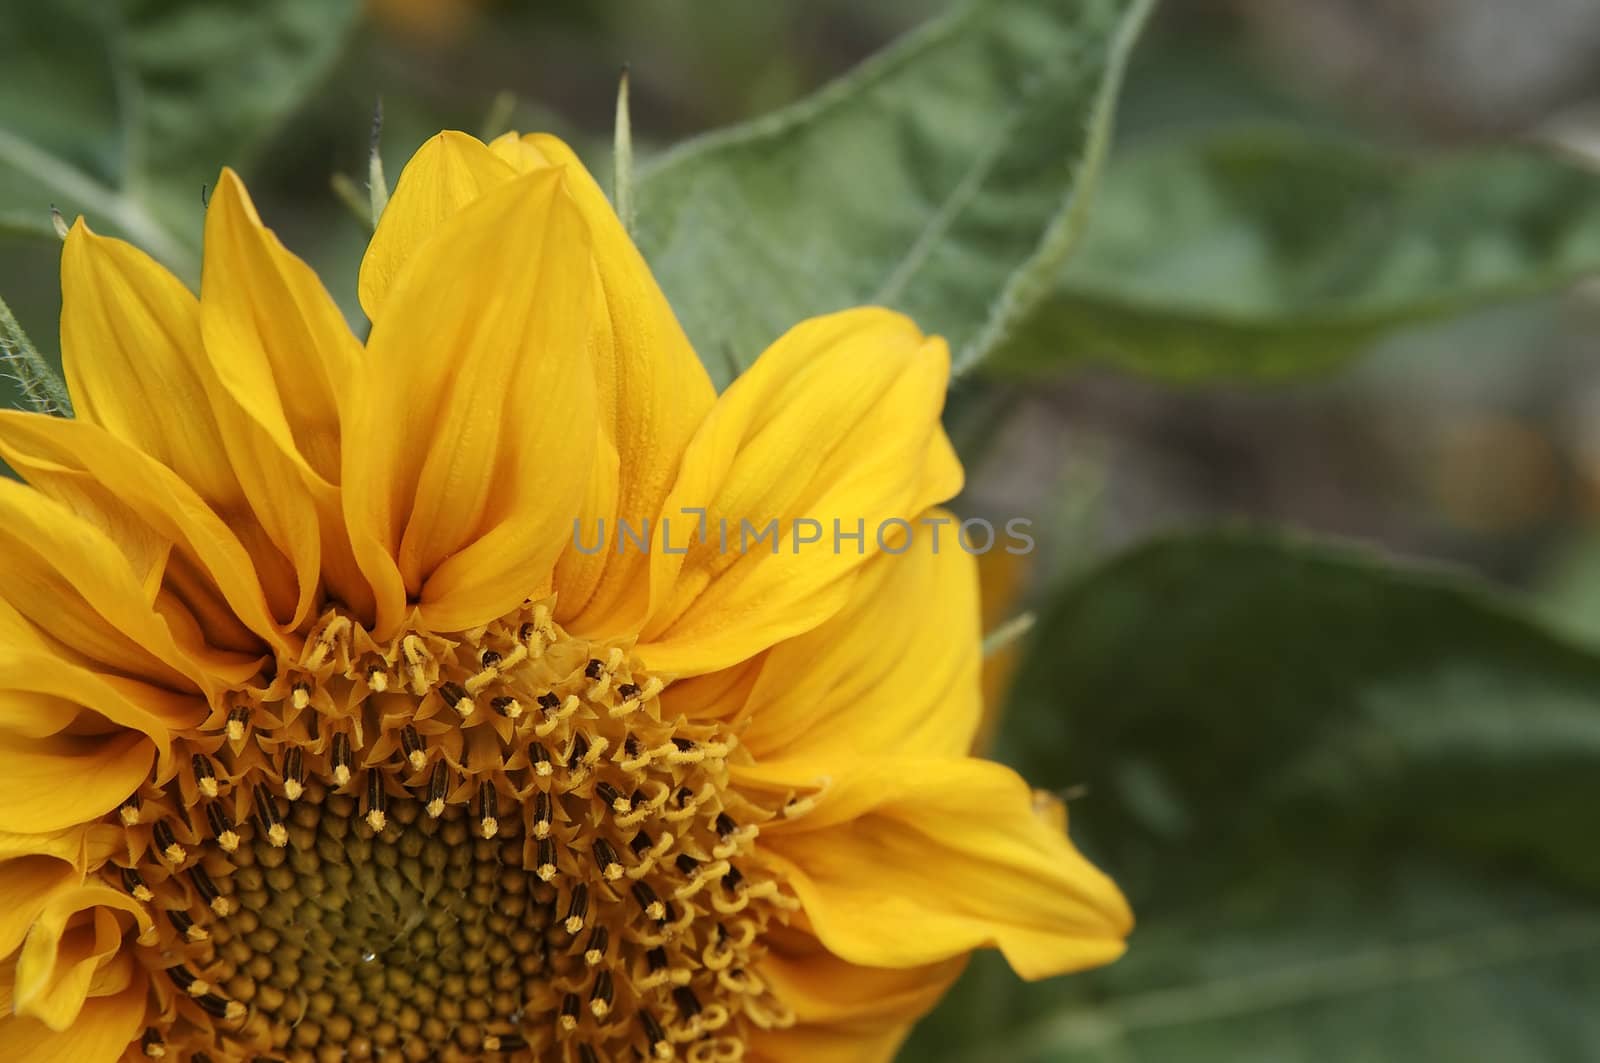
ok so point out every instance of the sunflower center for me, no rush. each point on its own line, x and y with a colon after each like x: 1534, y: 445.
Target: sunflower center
x: 450, y: 846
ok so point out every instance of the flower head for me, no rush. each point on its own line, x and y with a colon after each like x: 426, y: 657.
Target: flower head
x: 324, y: 736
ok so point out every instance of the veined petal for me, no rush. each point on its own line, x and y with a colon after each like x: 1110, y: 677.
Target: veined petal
x: 76, y: 934
x: 282, y: 353
x: 59, y: 455
x: 844, y: 1013
x: 895, y: 671
x: 104, y: 1029
x: 654, y: 393
x: 27, y: 885
x: 41, y: 695
x: 132, y: 355
x: 82, y: 845
x: 837, y: 422
x: 70, y: 580
x: 449, y: 171
x: 105, y: 769
x: 903, y: 863
x: 473, y: 418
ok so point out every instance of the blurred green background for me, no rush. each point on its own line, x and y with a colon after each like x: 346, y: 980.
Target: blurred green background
x: 1331, y: 283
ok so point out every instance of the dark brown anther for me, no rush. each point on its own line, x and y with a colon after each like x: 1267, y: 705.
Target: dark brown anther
x: 669, y: 912
x: 341, y: 758
x: 129, y: 809
x: 607, y: 793
x: 504, y: 1042
x: 688, y: 1003
x: 684, y: 744
x: 167, y: 842
x: 268, y: 818
x: 502, y: 705
x: 630, y: 746
x: 541, y: 813
x: 732, y: 880
x: 455, y: 695
x: 412, y: 745
x: 641, y: 843
x: 687, y: 865
x: 578, y: 908
x: 207, y: 889
x: 636, y: 799
x: 656, y: 958
x: 546, y: 868
x: 214, y: 1005
x: 238, y: 723
x: 595, y: 951
x: 628, y: 691
x: 540, y: 758
x: 652, y: 1029
x: 725, y: 825
x: 183, y: 978
x: 593, y: 669
x: 221, y: 826
x: 525, y: 633
x: 438, y: 788
x: 490, y: 659
x: 606, y: 858
x: 134, y: 883
x: 580, y: 749
x: 151, y: 1043
x: 683, y: 796
x: 377, y: 801
x: 294, y: 773
x: 548, y: 702
x: 569, y: 1008
x: 648, y: 900
x: 488, y: 810
x: 180, y: 920
x: 205, y: 777
x: 602, y: 994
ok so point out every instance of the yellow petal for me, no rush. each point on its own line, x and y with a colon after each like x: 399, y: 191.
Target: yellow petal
x: 837, y: 422
x: 131, y: 351
x: 27, y: 885
x: 844, y: 1013
x: 42, y: 694
x: 283, y: 354
x: 654, y: 392
x: 448, y: 172
x: 68, y: 578
x: 653, y: 396
x: 895, y: 671
x: 473, y: 419
x: 82, y: 846
x: 102, y: 1033
x: 912, y: 862
x: 52, y: 451
x: 77, y: 933
x: 104, y: 770
x: 652, y: 389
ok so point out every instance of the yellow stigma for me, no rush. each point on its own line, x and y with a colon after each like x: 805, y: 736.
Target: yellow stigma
x: 566, y: 874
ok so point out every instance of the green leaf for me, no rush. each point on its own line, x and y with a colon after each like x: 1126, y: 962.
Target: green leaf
x: 946, y: 177
x: 1352, y: 806
x: 148, y: 99
x: 1264, y: 253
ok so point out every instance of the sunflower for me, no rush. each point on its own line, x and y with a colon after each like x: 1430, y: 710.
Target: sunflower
x: 327, y: 735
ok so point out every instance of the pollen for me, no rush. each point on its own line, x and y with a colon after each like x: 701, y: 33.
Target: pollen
x: 354, y: 862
